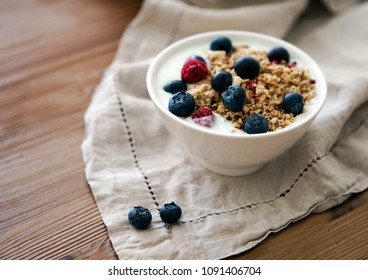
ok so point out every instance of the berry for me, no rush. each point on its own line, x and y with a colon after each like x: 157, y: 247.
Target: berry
x: 292, y: 64
x: 234, y: 98
x: 170, y: 213
x: 181, y: 104
x: 252, y: 86
x: 198, y: 57
x: 140, y: 217
x: 175, y: 86
x: 256, y: 124
x: 204, y: 117
x: 293, y: 103
x: 247, y: 67
x: 221, y: 81
x: 221, y: 43
x: 278, y: 54
x: 193, y: 71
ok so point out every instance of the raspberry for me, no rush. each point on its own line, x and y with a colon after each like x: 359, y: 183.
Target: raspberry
x: 193, y: 71
x: 252, y: 85
x: 204, y: 117
x: 292, y: 64
x: 203, y: 112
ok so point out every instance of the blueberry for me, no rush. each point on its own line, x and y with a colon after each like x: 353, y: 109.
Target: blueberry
x: 170, y: 213
x: 278, y: 54
x: 247, y: 67
x: 221, y: 43
x: 234, y: 98
x: 181, y: 104
x: 293, y: 103
x: 198, y: 57
x: 139, y: 217
x: 221, y: 81
x: 256, y: 124
x: 175, y: 86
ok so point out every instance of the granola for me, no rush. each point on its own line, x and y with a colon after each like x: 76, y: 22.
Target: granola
x: 264, y: 94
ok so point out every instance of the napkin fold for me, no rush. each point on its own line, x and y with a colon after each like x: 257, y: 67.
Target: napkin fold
x: 130, y: 158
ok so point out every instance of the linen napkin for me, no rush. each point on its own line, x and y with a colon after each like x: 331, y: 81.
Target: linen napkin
x: 130, y: 158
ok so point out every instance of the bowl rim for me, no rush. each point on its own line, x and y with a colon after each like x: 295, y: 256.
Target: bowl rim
x: 278, y: 42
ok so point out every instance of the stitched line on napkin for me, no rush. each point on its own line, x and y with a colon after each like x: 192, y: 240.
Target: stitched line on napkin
x: 283, y: 194
x: 267, y: 232
x: 133, y: 150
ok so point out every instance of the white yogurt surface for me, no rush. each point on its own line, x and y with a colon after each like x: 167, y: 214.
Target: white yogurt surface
x: 171, y: 70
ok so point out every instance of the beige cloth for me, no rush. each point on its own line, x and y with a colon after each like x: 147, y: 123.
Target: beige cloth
x: 130, y: 159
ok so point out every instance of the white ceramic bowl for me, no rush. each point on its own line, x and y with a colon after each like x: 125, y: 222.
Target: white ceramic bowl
x: 226, y: 153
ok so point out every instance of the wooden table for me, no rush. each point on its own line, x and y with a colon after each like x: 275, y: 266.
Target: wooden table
x: 52, y: 54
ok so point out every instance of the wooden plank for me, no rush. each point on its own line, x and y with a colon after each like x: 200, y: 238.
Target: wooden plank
x: 47, y: 76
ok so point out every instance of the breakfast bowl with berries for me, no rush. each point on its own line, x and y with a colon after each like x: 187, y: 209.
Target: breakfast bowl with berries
x: 234, y: 99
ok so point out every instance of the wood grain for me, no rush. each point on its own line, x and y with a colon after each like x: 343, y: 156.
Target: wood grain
x: 51, y: 61
x: 52, y: 55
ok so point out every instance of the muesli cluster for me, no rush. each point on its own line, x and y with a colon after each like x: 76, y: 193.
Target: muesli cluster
x: 257, y: 90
